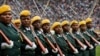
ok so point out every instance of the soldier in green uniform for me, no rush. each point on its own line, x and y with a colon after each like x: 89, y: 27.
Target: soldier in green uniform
x: 66, y: 30
x: 26, y: 50
x: 46, y: 30
x: 76, y: 33
x: 59, y: 37
x: 91, y: 32
x: 82, y: 25
x: 36, y: 22
x: 12, y: 49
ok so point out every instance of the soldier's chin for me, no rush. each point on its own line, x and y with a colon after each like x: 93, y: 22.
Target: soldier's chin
x: 8, y: 22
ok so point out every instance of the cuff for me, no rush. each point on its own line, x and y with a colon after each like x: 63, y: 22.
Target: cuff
x: 46, y: 51
x: 91, y: 47
x: 76, y: 51
x: 84, y: 48
x: 55, y: 51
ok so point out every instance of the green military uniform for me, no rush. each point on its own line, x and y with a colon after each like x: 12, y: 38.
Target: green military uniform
x: 70, y: 38
x: 13, y: 35
x: 62, y: 44
x: 81, y: 52
x: 93, y: 51
x: 86, y: 53
x: 28, y: 33
x: 38, y: 50
x: 49, y: 36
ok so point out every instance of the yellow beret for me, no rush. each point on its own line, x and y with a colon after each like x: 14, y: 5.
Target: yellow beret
x: 82, y: 23
x: 25, y: 13
x: 16, y: 21
x: 88, y: 20
x: 35, y: 18
x: 44, y: 21
x: 65, y: 22
x: 4, y: 8
x: 55, y: 24
x: 74, y: 22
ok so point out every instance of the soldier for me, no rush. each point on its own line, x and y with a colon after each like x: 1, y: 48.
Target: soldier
x: 36, y: 22
x: 59, y: 38
x: 16, y: 22
x: 46, y: 30
x: 26, y: 50
x: 91, y: 32
x: 12, y: 49
x: 76, y: 34
x: 82, y: 25
x: 66, y: 30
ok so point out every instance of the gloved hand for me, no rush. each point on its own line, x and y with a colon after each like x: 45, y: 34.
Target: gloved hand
x: 84, y: 48
x: 31, y: 48
x: 55, y: 51
x: 76, y: 51
x: 4, y: 45
x: 96, y: 44
x: 91, y: 47
x: 46, y: 51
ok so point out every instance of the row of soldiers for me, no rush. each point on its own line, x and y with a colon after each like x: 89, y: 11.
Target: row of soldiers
x: 33, y: 37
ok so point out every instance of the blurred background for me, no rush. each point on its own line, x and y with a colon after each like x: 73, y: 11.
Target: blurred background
x: 58, y: 10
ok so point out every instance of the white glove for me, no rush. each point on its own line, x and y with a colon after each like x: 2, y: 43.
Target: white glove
x: 5, y: 45
x: 46, y: 51
x: 59, y: 55
x: 99, y: 43
x: 55, y: 51
x: 96, y: 44
x: 31, y: 48
x: 76, y: 51
x: 84, y: 48
x: 91, y: 47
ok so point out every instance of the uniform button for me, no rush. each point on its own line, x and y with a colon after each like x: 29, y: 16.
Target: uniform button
x: 18, y: 48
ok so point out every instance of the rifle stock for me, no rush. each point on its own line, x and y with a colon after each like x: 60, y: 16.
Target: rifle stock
x: 87, y: 43
x: 38, y: 40
x: 70, y: 45
x: 23, y: 36
x: 56, y: 45
x: 93, y: 39
x: 78, y: 41
x: 5, y: 37
x: 49, y: 42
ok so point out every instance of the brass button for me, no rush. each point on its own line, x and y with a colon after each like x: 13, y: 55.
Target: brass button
x: 18, y: 48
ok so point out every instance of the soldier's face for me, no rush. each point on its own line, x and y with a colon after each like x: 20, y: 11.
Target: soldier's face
x: 75, y: 26
x: 89, y: 25
x: 6, y: 17
x: 83, y: 27
x: 46, y: 27
x: 66, y: 27
x: 37, y: 24
x: 25, y: 21
x: 58, y: 29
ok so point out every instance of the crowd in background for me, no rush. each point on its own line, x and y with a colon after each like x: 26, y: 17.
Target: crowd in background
x: 57, y: 9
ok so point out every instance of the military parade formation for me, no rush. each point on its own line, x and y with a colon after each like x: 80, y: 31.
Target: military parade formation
x: 33, y: 36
